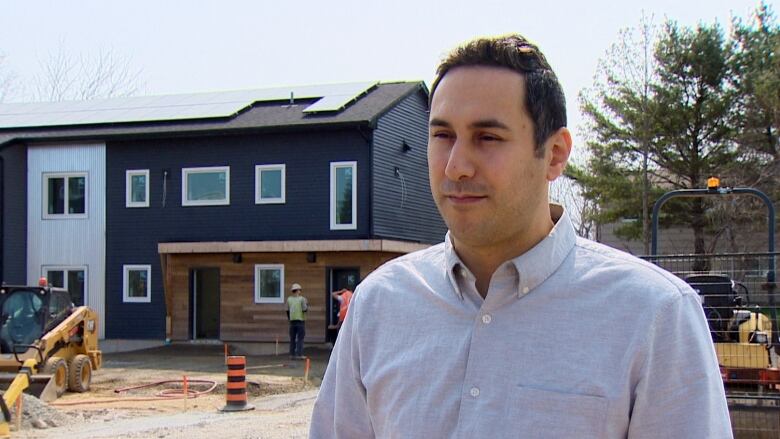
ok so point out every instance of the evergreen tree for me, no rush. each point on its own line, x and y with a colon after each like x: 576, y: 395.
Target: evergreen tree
x: 672, y: 132
x: 757, y: 62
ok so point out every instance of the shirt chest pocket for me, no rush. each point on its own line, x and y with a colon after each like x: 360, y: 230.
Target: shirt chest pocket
x: 547, y: 414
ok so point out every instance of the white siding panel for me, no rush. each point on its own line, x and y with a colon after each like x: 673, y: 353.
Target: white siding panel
x: 69, y: 242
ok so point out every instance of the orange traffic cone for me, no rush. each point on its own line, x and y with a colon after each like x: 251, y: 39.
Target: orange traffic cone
x: 236, y: 397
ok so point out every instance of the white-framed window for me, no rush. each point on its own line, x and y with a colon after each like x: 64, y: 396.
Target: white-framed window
x: 65, y: 195
x: 137, y: 188
x: 343, y: 195
x: 269, y: 283
x: 205, y: 186
x: 269, y: 184
x: 72, y: 278
x: 136, y: 281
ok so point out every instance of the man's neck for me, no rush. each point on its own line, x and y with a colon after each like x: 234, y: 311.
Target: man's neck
x: 483, y: 261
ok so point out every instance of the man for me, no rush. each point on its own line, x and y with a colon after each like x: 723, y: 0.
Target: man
x: 343, y: 297
x: 296, y: 314
x: 515, y: 327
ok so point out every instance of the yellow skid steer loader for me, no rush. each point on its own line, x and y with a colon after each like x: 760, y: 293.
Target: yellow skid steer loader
x: 47, y: 345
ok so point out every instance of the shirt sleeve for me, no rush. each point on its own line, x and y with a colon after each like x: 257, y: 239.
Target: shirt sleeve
x: 305, y: 305
x: 341, y: 410
x: 680, y: 391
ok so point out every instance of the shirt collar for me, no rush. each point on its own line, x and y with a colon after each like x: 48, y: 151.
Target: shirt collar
x: 534, y: 266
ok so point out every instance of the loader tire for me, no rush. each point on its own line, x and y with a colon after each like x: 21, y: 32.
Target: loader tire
x: 58, y: 369
x: 80, y: 374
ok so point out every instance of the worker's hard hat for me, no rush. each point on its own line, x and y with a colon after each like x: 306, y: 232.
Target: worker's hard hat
x: 295, y: 287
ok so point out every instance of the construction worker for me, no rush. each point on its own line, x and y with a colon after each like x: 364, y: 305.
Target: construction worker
x: 296, y: 314
x: 514, y: 326
x: 343, y: 296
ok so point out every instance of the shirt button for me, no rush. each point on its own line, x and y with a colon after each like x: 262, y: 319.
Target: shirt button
x: 474, y: 392
x: 525, y: 290
x: 486, y: 319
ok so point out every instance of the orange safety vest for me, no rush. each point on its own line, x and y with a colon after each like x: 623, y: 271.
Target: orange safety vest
x: 346, y: 297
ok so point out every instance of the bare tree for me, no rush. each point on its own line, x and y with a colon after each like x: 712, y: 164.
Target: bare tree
x: 627, y: 73
x: 7, y: 79
x: 67, y: 77
x: 566, y: 191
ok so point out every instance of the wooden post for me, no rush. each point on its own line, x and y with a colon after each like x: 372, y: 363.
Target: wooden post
x: 186, y: 391
x: 19, y: 412
x: 306, y: 372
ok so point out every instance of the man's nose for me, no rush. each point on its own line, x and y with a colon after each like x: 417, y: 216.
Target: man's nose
x: 460, y: 163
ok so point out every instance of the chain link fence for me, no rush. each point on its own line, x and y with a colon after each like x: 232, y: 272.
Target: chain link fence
x: 739, y: 301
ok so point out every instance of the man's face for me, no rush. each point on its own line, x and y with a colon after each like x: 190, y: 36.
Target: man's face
x: 486, y: 181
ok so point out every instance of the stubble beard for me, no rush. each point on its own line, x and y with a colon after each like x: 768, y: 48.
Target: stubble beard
x: 494, y: 227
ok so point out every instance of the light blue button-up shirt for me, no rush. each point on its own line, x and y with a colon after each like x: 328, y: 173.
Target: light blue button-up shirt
x: 573, y: 339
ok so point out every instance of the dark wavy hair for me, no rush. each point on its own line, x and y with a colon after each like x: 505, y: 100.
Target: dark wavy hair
x: 544, y: 99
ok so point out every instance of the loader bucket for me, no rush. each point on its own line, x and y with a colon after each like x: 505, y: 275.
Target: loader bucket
x: 41, y: 386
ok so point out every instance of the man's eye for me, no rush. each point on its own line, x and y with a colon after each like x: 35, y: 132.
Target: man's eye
x: 441, y: 135
x: 489, y: 138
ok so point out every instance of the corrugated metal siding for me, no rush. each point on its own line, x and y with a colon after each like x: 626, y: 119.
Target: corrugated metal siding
x: 14, y: 211
x: 135, y: 232
x: 69, y: 242
x: 403, y: 207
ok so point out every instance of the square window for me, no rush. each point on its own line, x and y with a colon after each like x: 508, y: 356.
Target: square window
x: 269, y: 184
x: 269, y: 283
x: 73, y: 279
x: 343, y: 195
x: 65, y: 195
x: 205, y: 186
x: 137, y: 283
x: 137, y: 188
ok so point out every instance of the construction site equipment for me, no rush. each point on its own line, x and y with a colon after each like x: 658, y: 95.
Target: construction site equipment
x: 738, y: 298
x: 743, y: 335
x: 47, y: 345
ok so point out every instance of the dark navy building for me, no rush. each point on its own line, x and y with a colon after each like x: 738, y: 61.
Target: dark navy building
x: 188, y: 217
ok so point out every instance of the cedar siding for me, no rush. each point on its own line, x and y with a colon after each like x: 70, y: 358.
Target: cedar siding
x: 243, y: 320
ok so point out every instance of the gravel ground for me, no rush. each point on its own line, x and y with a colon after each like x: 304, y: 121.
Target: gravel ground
x: 283, y: 402
x: 274, y: 417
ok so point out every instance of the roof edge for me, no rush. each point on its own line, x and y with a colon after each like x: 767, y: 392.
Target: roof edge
x: 420, y: 87
x: 327, y: 245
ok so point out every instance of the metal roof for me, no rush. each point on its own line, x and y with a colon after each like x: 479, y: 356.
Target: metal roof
x: 332, y: 97
x: 354, y: 107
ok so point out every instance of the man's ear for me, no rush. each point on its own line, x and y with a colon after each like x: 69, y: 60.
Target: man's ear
x: 558, y: 148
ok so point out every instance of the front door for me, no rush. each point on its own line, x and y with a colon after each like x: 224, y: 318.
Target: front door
x: 204, y: 303
x: 338, y: 278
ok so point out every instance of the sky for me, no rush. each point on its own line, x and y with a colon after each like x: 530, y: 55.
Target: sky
x: 197, y: 46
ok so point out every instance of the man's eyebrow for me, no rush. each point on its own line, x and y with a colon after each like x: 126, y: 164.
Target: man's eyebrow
x: 489, y: 123
x: 439, y: 123
x: 486, y: 123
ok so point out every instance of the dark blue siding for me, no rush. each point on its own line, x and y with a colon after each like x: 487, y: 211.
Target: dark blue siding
x: 402, y: 204
x: 14, y: 212
x: 133, y: 233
